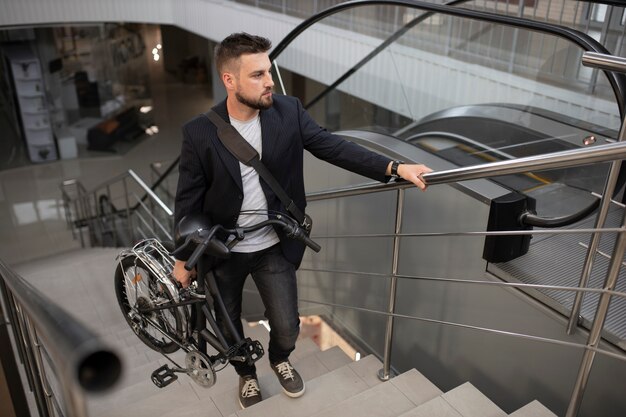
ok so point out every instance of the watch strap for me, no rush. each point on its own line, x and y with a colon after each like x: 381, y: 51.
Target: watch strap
x: 394, y: 168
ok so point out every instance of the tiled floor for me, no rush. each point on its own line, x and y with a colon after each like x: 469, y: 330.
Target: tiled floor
x: 32, y: 222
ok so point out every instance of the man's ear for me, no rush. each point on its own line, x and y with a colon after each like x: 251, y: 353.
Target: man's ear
x: 229, y: 80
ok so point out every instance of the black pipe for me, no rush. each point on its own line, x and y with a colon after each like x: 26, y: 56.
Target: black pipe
x: 80, y: 358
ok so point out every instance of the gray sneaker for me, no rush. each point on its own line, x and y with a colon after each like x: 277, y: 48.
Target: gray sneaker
x: 249, y: 392
x: 289, y: 378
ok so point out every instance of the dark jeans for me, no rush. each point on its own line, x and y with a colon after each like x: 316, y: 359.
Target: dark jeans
x: 275, y: 278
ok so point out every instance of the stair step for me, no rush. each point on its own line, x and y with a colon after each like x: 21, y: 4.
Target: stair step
x: 73, y: 255
x: 533, y: 409
x: 151, y: 404
x: 367, y: 369
x: 416, y: 387
x: 387, y: 399
x: 322, y: 392
x: 470, y: 402
x: 437, y: 407
x: 383, y: 400
x: 333, y: 358
x: 309, y: 367
x: 119, y: 398
x: 204, y: 408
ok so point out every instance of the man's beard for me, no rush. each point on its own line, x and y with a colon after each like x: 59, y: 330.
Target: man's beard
x: 259, y: 104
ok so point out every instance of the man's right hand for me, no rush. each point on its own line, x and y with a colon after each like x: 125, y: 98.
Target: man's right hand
x: 181, y: 274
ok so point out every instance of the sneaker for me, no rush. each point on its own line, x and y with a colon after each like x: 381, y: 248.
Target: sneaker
x: 289, y: 378
x: 249, y: 392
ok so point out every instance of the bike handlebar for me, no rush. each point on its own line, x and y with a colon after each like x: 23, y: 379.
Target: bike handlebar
x: 207, y: 239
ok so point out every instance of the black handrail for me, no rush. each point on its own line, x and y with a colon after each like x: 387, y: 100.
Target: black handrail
x: 80, y: 359
x: 617, y: 81
x: 375, y: 52
x: 531, y: 219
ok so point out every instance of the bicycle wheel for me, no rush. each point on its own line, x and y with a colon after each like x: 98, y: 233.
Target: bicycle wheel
x: 137, y: 288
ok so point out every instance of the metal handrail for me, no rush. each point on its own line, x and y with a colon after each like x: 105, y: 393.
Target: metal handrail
x: 554, y: 160
x: 84, y: 199
x: 82, y: 363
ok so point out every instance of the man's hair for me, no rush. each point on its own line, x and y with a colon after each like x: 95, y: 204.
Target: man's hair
x: 237, y: 44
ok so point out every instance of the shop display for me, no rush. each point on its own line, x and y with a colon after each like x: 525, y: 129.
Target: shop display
x: 29, y: 88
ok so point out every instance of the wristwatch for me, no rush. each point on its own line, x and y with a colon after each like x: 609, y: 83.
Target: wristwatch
x: 394, y: 169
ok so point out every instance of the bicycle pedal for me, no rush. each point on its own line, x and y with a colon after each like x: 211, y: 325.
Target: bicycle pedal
x: 163, y: 376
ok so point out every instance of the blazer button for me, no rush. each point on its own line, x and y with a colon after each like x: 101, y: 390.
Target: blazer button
x: 240, y: 196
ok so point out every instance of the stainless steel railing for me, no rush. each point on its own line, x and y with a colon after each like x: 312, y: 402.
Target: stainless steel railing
x: 611, y: 152
x: 124, y: 205
x: 56, y: 349
x: 606, y: 293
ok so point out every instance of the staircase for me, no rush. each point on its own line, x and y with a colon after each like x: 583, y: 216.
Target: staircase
x: 82, y: 282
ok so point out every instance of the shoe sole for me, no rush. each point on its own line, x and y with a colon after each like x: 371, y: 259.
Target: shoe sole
x: 295, y: 394
x: 243, y: 408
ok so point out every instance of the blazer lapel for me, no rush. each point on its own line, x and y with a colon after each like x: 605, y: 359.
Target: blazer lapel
x: 228, y: 159
x: 270, y: 130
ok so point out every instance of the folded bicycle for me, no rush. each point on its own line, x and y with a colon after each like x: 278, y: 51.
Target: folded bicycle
x: 167, y: 317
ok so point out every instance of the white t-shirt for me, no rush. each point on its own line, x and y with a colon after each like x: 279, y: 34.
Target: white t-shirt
x: 253, y: 197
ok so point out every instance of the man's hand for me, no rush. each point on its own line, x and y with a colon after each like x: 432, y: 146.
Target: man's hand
x: 412, y: 173
x: 182, y: 275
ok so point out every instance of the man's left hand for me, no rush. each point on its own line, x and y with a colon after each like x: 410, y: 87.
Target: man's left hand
x: 413, y: 173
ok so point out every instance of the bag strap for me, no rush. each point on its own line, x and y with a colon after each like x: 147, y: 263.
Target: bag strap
x: 247, y: 155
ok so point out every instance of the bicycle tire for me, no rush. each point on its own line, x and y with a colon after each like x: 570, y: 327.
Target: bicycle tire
x: 136, y: 285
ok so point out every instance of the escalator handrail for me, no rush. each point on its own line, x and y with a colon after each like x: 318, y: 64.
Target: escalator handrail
x: 587, y: 43
x: 532, y: 219
x: 375, y: 52
x: 528, y: 218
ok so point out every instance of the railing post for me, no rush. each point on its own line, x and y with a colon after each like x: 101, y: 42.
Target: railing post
x: 31, y: 365
x: 112, y: 217
x: 129, y: 220
x: 598, y: 323
x: 8, y: 357
x: 43, y: 379
x: 96, y: 219
x: 384, y: 373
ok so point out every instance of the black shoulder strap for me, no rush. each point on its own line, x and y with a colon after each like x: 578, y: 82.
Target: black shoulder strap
x: 244, y: 152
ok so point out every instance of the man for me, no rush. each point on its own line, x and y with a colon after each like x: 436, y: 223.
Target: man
x: 214, y: 182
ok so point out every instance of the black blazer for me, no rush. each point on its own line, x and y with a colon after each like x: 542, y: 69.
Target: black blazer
x: 210, y: 178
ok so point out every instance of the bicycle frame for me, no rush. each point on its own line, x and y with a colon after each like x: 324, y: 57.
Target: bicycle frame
x: 157, y: 259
